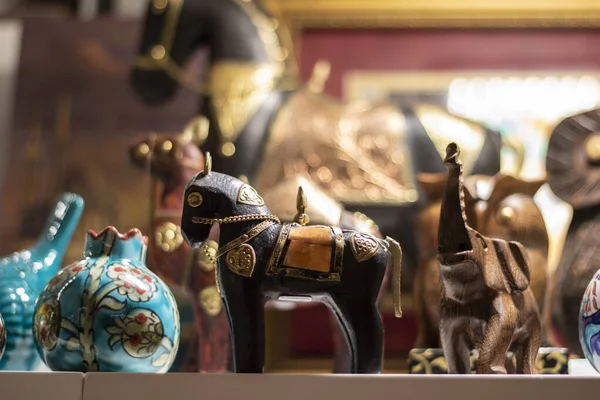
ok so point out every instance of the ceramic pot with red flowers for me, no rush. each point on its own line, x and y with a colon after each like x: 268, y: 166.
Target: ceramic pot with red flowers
x: 108, y: 312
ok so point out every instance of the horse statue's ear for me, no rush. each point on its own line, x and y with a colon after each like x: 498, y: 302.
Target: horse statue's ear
x: 207, y: 164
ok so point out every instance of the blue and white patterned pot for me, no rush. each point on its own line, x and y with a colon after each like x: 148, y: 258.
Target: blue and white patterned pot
x: 108, y: 312
x: 589, y: 322
x: 2, y: 337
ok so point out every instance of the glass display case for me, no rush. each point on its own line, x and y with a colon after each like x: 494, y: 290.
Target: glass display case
x: 289, y: 167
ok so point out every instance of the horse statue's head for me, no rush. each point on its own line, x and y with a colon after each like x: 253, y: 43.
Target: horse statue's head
x: 235, y: 32
x: 211, y: 198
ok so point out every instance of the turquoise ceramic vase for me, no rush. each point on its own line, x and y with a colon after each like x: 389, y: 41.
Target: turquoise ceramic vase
x: 23, y: 276
x: 108, y: 312
x: 589, y: 322
x: 2, y: 337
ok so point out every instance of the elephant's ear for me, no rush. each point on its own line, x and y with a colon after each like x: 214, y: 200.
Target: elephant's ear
x: 506, y: 185
x: 506, y: 266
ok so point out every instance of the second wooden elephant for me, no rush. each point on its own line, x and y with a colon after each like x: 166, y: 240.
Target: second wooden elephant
x: 498, y: 206
x: 487, y: 303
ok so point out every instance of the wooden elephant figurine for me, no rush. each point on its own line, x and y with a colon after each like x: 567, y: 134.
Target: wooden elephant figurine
x: 501, y: 207
x: 261, y: 259
x: 487, y: 303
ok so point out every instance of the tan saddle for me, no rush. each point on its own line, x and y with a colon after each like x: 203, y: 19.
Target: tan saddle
x: 310, y: 252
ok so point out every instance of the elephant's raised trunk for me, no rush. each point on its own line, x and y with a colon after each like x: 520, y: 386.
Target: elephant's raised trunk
x: 453, y: 236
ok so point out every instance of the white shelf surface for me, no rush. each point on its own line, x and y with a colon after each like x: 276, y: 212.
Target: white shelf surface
x: 583, y: 381
x: 337, y: 387
x: 41, y: 385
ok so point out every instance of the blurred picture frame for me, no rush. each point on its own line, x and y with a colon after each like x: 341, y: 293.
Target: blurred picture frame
x: 301, y: 14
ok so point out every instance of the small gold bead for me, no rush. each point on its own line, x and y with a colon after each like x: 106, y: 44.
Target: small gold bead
x: 167, y: 146
x: 194, y: 199
x: 228, y: 149
x: 143, y: 149
x: 507, y: 214
x: 158, y: 52
x: 160, y: 5
x: 592, y: 147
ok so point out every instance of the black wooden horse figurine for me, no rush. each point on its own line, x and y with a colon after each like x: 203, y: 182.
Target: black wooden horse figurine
x: 261, y: 259
x: 263, y: 125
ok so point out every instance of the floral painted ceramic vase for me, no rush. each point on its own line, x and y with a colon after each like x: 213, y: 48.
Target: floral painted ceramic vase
x: 2, y: 337
x: 108, y: 312
x: 589, y: 322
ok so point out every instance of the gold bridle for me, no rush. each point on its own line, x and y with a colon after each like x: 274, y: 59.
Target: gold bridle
x: 267, y: 220
x: 159, y: 56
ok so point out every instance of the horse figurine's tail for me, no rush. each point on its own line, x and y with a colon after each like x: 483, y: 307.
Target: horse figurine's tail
x: 396, y: 274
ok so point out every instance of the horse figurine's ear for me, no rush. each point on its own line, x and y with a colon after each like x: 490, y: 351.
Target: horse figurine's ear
x: 207, y: 164
x: 301, y: 217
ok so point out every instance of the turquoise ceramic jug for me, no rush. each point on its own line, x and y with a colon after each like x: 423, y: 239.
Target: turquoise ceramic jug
x: 24, y: 274
x: 108, y: 312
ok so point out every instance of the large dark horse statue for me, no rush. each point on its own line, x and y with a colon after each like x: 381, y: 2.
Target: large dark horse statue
x: 261, y: 259
x: 268, y: 128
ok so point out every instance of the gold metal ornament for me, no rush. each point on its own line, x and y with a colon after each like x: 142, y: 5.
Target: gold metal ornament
x: 301, y: 217
x: 207, y: 258
x: 158, y: 52
x: 592, y: 147
x: 228, y: 149
x: 167, y: 146
x: 210, y: 301
x: 241, y: 260
x: 194, y: 199
x: 363, y: 246
x: 248, y: 195
x: 207, y: 164
x: 143, y: 149
x: 507, y: 214
x: 158, y: 6
x: 168, y: 237
x: 237, y: 90
x: 363, y: 159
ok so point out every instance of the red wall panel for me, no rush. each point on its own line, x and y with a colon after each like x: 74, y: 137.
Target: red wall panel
x: 456, y: 49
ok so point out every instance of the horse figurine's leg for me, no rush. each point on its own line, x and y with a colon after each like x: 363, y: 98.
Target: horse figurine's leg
x: 361, y: 322
x: 355, y: 305
x: 245, y: 306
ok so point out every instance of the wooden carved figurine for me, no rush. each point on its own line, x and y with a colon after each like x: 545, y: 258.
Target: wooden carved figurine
x: 173, y: 161
x: 260, y: 259
x: 501, y: 207
x: 573, y: 168
x: 487, y: 303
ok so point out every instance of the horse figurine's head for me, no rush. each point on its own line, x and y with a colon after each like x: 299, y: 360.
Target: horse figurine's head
x: 214, y: 198
x: 167, y: 156
x: 235, y: 31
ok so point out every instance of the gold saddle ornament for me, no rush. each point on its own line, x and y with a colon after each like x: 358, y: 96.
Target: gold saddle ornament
x: 357, y: 153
